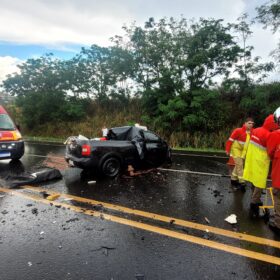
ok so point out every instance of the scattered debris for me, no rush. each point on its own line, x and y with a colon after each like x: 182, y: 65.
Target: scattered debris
x: 34, y: 211
x: 98, y: 207
x: 42, y: 232
x: 68, y: 199
x: 53, y: 197
x: 206, y: 236
x: 29, y: 263
x: 207, y: 221
x: 105, y: 250
x: 171, y: 222
x: 4, y: 212
x: 1, y: 196
x: 72, y: 220
x: 231, y: 219
x: 91, y: 182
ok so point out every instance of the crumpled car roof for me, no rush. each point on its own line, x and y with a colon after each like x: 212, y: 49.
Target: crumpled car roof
x: 129, y: 133
x: 125, y: 133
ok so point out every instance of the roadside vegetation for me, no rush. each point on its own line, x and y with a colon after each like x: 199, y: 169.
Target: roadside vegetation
x: 191, y: 81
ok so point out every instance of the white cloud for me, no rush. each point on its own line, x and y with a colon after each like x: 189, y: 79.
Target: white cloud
x: 56, y: 24
x: 94, y: 22
x: 8, y: 65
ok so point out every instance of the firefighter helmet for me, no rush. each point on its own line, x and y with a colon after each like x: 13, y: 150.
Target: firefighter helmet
x: 277, y: 116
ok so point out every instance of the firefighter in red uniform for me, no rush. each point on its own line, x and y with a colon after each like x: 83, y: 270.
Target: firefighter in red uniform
x: 273, y: 149
x: 235, y: 147
x: 257, y: 162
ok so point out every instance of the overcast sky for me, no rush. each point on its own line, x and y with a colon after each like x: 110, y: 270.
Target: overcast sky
x: 31, y: 28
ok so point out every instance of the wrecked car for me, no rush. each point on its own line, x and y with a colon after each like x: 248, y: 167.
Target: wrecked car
x: 123, y: 146
x: 11, y: 143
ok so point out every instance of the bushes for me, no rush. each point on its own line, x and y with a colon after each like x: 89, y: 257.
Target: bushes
x: 41, y: 107
x: 261, y: 101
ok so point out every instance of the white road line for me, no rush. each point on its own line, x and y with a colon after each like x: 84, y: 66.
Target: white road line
x: 197, y: 155
x: 193, y: 172
x: 165, y: 169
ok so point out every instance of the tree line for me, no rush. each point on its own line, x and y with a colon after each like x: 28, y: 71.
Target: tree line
x: 185, y: 76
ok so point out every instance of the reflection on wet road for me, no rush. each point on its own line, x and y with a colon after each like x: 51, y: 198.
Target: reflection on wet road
x: 132, y: 228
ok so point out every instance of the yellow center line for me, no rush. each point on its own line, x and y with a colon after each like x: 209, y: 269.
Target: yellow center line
x: 197, y: 226
x: 157, y: 230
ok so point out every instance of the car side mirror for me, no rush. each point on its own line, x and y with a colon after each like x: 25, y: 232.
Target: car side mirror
x: 18, y: 127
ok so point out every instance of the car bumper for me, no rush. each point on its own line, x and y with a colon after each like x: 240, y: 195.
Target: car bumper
x: 84, y: 162
x: 11, y: 149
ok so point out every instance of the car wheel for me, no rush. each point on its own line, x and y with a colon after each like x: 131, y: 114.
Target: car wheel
x: 15, y: 159
x: 111, y: 167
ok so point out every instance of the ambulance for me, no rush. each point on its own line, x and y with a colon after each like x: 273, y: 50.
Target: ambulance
x: 11, y: 142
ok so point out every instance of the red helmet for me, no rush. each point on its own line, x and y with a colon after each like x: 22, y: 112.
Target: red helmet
x: 277, y: 116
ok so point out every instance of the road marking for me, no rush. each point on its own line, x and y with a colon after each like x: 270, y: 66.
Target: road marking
x: 198, y: 155
x: 193, y: 172
x: 161, y: 218
x: 197, y: 172
x: 157, y: 230
x: 163, y: 169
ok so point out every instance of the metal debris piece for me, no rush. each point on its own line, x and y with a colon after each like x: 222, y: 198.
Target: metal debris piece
x: 207, y: 221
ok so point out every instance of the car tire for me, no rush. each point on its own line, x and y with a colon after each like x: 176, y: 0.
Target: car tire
x: 14, y: 159
x: 111, y: 167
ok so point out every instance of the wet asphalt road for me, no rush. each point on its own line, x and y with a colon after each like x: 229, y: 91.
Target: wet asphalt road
x: 67, y: 240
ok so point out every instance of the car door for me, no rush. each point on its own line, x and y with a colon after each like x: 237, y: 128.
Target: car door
x: 156, y: 149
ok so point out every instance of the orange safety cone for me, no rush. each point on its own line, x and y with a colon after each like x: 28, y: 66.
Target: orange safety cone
x: 231, y: 161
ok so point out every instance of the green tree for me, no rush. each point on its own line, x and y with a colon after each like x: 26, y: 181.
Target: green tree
x: 269, y: 16
x: 261, y: 101
x: 41, y: 92
x: 175, y: 58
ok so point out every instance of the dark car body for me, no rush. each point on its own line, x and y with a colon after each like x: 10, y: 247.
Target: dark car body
x: 124, y: 146
x: 11, y: 143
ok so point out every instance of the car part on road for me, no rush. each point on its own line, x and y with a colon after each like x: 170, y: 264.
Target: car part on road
x: 13, y: 181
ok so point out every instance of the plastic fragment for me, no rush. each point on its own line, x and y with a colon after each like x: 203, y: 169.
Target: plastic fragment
x: 231, y: 219
x: 91, y: 182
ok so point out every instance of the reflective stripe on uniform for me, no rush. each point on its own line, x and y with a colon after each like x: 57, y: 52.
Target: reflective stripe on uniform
x: 258, y: 145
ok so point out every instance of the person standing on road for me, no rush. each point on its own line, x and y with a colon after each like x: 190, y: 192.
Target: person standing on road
x: 235, y: 147
x: 273, y: 150
x: 257, y: 162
